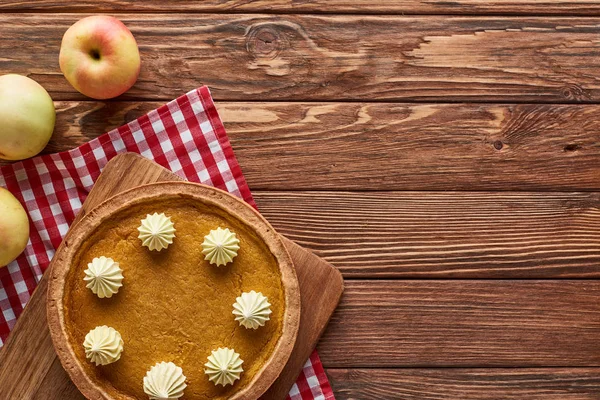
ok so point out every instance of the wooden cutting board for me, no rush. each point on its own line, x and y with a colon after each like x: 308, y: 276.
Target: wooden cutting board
x: 29, y: 367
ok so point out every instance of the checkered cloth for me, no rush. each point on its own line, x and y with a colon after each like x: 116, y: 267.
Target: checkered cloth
x: 185, y: 135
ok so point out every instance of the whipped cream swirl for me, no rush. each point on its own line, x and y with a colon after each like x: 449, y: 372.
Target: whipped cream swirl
x: 104, y: 276
x: 220, y: 246
x: 164, y: 381
x: 252, y: 309
x: 103, y: 345
x: 224, y: 366
x: 157, y: 231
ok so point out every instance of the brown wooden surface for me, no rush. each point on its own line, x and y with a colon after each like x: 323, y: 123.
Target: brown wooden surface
x: 458, y: 7
x: 467, y: 384
x: 390, y: 146
x: 319, y: 105
x: 29, y: 350
x: 311, y: 57
x: 464, y: 323
x: 441, y: 234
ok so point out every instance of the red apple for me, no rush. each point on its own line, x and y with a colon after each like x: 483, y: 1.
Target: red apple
x: 99, y: 57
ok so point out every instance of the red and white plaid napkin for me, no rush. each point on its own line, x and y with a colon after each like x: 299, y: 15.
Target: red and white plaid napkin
x: 185, y: 135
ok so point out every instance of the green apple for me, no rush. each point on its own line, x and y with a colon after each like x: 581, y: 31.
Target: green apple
x: 14, y: 227
x: 99, y: 57
x: 27, y: 117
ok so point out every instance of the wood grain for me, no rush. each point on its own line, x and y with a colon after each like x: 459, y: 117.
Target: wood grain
x: 310, y: 57
x: 464, y: 323
x: 56, y: 385
x: 458, y: 7
x: 451, y: 235
x: 466, y: 384
x: 35, y: 370
x: 389, y: 146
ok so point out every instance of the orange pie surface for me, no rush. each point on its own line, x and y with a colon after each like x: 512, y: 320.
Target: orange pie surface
x: 174, y: 306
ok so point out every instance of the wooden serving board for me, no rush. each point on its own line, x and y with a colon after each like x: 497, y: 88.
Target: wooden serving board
x: 29, y: 367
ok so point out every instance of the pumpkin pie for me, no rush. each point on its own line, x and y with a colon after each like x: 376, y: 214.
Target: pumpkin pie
x: 172, y: 308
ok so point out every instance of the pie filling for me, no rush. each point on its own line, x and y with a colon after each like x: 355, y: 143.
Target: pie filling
x: 173, y: 298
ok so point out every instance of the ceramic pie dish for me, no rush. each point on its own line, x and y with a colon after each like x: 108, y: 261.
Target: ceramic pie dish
x: 174, y: 306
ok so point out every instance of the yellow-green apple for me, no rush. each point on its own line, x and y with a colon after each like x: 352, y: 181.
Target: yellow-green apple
x: 99, y: 57
x: 27, y: 117
x: 14, y: 227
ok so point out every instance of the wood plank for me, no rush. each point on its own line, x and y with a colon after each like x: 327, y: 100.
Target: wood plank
x: 467, y: 384
x: 464, y: 323
x: 389, y: 146
x: 311, y: 57
x: 457, y: 7
x: 451, y: 235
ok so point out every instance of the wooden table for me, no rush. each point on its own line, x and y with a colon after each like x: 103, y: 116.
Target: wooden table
x: 445, y: 155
